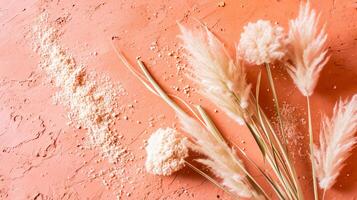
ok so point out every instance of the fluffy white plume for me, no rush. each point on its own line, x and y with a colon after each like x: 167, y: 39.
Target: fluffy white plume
x: 337, y: 138
x: 261, y: 42
x: 221, y: 159
x: 220, y: 78
x: 306, y: 50
x: 166, y: 152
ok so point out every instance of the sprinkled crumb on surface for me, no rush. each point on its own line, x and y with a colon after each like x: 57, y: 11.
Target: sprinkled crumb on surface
x: 89, y: 98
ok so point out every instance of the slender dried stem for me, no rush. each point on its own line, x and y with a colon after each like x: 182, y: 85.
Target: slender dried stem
x: 290, y: 182
x: 311, y: 140
x: 323, y: 194
x: 275, y: 186
x: 271, y: 153
x: 276, y: 102
x: 158, y: 89
x: 284, y: 148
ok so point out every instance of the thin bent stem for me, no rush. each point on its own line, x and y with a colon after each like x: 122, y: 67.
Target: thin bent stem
x: 316, y: 197
x: 188, y: 107
x: 158, y: 89
x: 135, y: 73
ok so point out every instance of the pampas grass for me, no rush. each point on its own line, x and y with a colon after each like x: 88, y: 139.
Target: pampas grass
x: 221, y: 159
x: 224, y: 83
x: 307, y: 53
x: 337, y: 137
x: 261, y: 42
x: 221, y: 79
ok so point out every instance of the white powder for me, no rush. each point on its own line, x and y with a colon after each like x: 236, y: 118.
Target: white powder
x: 90, y: 100
x: 166, y: 151
x: 293, y: 123
x: 290, y: 121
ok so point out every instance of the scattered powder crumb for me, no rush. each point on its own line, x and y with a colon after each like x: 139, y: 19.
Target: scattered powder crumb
x: 90, y: 99
x: 187, y: 90
x: 292, y: 123
x: 289, y: 120
x: 166, y: 151
x: 153, y: 46
x: 221, y: 4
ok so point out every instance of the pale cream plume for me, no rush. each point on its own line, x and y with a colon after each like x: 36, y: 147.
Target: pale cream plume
x: 221, y: 159
x: 261, y: 42
x: 166, y: 152
x: 337, y: 137
x: 306, y: 50
x: 221, y: 79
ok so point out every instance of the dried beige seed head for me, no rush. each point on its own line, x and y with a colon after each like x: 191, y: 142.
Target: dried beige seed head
x: 261, y: 42
x: 166, y: 152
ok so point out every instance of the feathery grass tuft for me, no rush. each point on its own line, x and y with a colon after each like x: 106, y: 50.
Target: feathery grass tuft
x: 220, y: 78
x: 306, y: 50
x: 337, y: 138
x: 221, y: 159
x: 307, y: 55
x: 261, y: 42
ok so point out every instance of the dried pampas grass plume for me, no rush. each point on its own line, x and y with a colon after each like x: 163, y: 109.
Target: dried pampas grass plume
x: 166, y: 152
x: 306, y: 50
x: 221, y: 79
x: 336, y: 140
x: 221, y: 159
x: 261, y: 42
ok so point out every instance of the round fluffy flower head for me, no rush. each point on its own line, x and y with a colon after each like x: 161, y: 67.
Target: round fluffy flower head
x: 166, y: 151
x: 261, y: 42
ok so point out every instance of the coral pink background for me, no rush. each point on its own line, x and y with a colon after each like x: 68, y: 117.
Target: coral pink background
x: 39, y: 157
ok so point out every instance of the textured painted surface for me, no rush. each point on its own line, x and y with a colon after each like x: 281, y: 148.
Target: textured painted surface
x: 42, y: 157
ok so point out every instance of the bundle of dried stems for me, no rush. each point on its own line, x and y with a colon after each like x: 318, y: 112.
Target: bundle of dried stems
x: 223, y: 80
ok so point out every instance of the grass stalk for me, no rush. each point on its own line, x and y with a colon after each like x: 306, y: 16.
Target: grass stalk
x: 276, y: 101
x: 269, y: 155
x: 311, y: 141
x: 159, y: 90
x: 323, y: 194
x: 283, y: 147
x: 275, y: 186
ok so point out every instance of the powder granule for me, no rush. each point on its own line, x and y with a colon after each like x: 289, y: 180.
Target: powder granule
x: 91, y: 100
x: 166, y: 152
